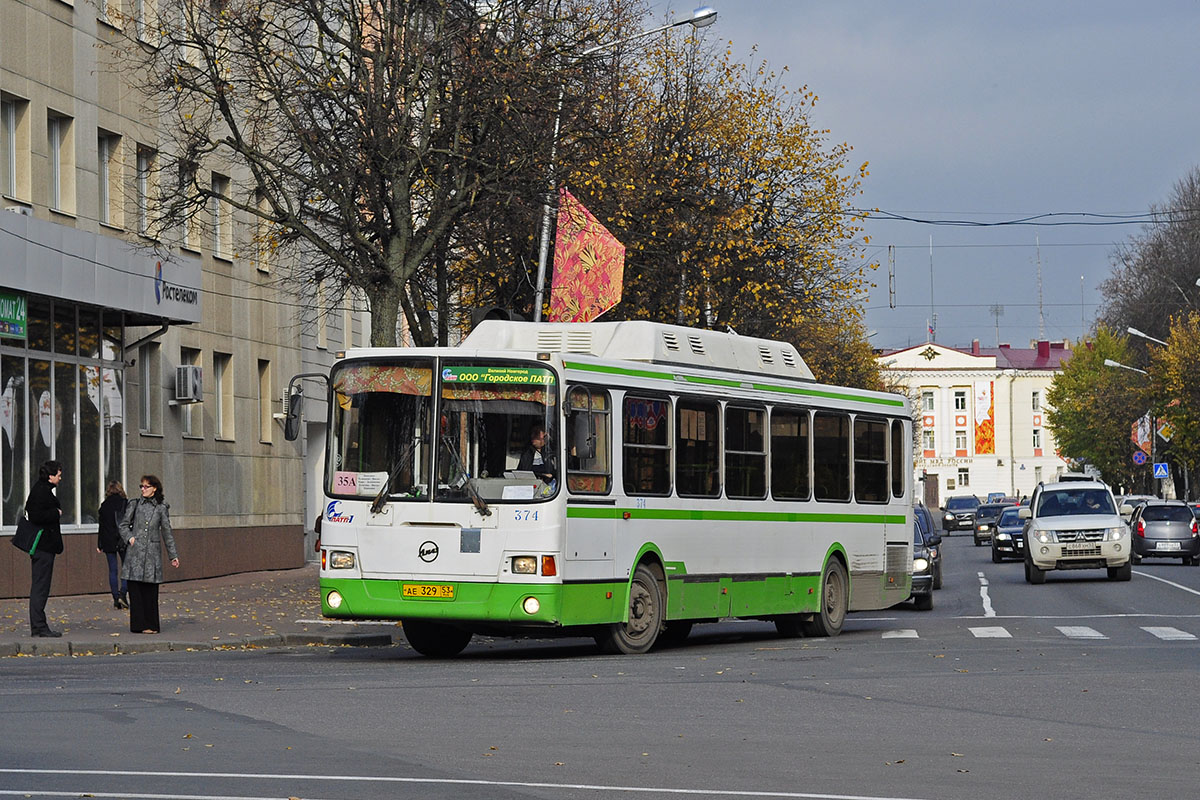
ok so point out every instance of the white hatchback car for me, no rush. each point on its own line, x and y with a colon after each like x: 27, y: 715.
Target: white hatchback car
x: 1075, y: 525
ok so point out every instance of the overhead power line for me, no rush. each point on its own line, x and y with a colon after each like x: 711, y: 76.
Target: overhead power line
x: 1050, y: 219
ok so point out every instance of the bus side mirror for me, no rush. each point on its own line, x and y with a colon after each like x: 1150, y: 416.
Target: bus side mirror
x: 292, y: 415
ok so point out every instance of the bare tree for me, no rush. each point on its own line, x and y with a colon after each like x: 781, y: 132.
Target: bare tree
x: 363, y: 131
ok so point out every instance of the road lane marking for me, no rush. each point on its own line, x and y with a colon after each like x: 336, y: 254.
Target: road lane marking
x: 1170, y: 634
x: 652, y: 790
x: 1164, y: 580
x: 988, y: 611
x: 990, y: 633
x: 1079, y: 632
x: 902, y: 633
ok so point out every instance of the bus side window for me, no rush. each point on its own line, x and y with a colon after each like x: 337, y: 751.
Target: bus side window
x: 831, y: 456
x: 646, y: 446
x: 589, y: 441
x: 789, y: 453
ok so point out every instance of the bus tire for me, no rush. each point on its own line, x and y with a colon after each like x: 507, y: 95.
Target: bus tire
x: 435, y: 639
x: 835, y: 600
x: 645, y: 617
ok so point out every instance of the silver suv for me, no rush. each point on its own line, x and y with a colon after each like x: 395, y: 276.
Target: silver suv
x: 1075, y: 525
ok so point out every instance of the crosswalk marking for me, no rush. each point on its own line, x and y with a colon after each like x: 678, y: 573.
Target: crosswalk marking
x: 903, y: 633
x: 995, y: 632
x: 1170, y: 634
x: 1079, y: 632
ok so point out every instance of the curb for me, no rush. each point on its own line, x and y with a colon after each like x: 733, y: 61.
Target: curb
x: 64, y: 647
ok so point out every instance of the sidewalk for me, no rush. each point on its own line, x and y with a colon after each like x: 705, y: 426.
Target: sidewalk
x: 257, y: 609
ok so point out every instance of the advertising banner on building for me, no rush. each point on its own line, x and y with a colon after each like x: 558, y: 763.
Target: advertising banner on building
x: 1140, y: 433
x: 985, y: 418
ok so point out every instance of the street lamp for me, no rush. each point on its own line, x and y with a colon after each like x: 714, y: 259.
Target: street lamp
x: 702, y: 17
x: 1146, y: 336
x: 1108, y: 362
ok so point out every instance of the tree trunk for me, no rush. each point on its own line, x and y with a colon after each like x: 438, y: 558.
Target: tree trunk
x: 385, y: 311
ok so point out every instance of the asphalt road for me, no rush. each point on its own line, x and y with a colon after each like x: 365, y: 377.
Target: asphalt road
x: 1077, y: 688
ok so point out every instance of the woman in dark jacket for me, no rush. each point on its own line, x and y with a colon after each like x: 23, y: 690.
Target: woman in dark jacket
x: 43, y: 510
x: 108, y: 541
x: 145, y: 529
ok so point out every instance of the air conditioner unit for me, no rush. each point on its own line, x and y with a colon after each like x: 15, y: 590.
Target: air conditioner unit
x: 189, y: 384
x: 22, y: 210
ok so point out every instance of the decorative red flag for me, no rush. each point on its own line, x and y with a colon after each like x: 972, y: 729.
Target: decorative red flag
x: 589, y: 265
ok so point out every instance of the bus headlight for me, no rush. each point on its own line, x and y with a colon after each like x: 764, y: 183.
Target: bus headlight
x: 340, y: 559
x: 524, y: 565
x: 334, y: 599
x: 531, y: 605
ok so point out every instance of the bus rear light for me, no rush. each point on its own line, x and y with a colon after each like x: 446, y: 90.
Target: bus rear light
x: 548, y: 566
x: 524, y: 565
x: 531, y: 605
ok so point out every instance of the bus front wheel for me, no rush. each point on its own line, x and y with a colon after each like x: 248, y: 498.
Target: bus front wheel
x: 645, y: 617
x: 835, y: 600
x: 435, y: 639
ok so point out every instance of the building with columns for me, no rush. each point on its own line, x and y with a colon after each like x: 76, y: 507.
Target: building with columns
x: 979, y: 416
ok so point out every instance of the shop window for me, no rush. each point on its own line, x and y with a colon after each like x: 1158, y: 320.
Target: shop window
x: 789, y: 454
x: 646, y: 446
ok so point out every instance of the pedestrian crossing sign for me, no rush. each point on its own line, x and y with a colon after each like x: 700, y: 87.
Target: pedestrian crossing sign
x: 1160, y: 469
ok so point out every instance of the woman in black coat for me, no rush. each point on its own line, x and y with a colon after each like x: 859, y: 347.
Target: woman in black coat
x: 108, y: 540
x: 43, y: 510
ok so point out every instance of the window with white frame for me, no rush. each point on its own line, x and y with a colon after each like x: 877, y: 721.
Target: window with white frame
x: 264, y: 401
x: 191, y: 418
x: 145, y: 15
x: 61, y: 153
x: 191, y: 225
x: 14, y: 147
x: 108, y: 178
x: 222, y: 217
x: 964, y: 477
x: 927, y: 400
x: 928, y: 441
x: 150, y: 388
x: 960, y: 399
x: 1037, y: 438
x: 146, y: 158
x: 1037, y: 400
x: 262, y: 235
x: 223, y: 394
x: 960, y: 440
x: 322, y: 317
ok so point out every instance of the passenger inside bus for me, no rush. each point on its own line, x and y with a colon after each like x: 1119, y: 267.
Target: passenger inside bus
x: 536, y: 457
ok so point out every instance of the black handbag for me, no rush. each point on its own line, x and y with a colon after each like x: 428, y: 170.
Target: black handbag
x: 27, y: 536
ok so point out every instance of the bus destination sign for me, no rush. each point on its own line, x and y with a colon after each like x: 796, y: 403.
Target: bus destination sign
x: 498, y: 375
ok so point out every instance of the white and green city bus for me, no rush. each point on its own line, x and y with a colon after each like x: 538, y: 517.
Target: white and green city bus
x: 688, y: 476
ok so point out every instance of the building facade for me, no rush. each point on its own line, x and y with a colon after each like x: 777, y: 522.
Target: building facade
x: 125, y: 351
x: 981, y: 416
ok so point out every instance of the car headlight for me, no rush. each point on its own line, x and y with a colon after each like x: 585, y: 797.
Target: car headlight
x: 1114, y: 534
x: 1046, y: 537
x: 983, y: 526
x: 949, y: 517
x: 920, y: 564
x: 339, y: 559
x: 1003, y: 537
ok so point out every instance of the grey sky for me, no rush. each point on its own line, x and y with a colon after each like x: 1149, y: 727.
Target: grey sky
x: 988, y: 112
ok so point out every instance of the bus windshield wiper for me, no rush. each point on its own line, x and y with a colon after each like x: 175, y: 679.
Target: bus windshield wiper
x: 467, y: 482
x: 381, y: 499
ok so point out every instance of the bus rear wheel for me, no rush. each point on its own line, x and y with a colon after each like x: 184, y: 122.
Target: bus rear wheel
x: 835, y: 600
x: 435, y: 639
x: 645, y: 617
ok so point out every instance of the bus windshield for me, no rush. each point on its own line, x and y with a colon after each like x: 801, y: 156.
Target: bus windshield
x: 496, y: 436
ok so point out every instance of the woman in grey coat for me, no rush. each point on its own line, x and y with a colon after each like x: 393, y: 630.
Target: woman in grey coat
x: 145, y: 529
